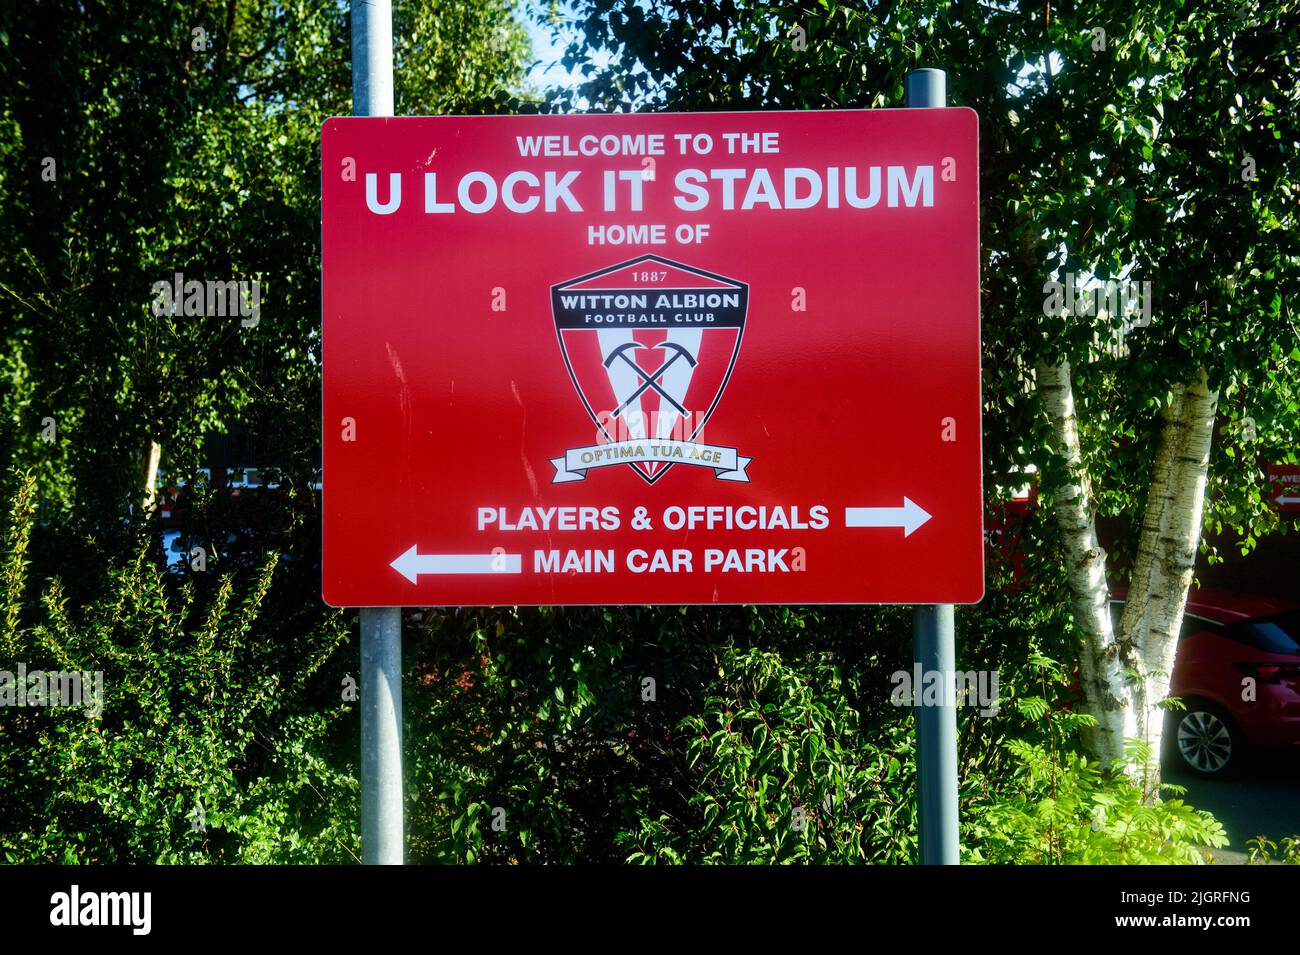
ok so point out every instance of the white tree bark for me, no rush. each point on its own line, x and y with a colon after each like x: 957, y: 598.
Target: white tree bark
x: 1126, y: 673
x: 1166, y: 556
x: 1104, y: 661
x: 149, y: 462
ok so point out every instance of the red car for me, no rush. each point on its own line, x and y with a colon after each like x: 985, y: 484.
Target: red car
x: 1237, y: 669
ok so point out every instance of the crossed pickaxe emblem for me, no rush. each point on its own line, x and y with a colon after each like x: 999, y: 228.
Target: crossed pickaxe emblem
x: 650, y: 377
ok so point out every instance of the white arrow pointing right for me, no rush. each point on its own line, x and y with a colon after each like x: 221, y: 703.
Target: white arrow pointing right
x: 909, y: 517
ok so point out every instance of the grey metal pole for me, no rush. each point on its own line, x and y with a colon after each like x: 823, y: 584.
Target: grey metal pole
x: 372, y: 58
x: 382, y: 825
x: 925, y: 88
x: 934, y: 649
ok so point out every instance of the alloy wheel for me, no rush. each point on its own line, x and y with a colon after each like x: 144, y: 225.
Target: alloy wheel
x: 1204, y: 741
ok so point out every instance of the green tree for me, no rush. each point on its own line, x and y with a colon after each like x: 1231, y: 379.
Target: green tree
x: 184, y: 138
x: 1150, y: 141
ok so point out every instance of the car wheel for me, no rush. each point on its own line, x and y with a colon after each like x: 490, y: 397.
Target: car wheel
x: 1205, y: 738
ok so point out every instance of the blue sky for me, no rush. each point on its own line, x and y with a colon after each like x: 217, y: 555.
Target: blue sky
x: 547, y: 50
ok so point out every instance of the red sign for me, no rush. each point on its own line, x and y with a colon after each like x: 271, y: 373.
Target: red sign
x: 652, y: 359
x: 1285, y: 479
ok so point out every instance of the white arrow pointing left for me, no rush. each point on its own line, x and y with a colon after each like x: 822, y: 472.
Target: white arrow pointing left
x: 1283, y: 499
x: 909, y: 517
x: 412, y: 564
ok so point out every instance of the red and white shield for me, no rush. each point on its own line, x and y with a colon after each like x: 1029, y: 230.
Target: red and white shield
x: 650, y: 345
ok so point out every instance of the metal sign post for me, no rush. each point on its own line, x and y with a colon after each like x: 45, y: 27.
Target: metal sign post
x: 382, y: 829
x: 934, y: 650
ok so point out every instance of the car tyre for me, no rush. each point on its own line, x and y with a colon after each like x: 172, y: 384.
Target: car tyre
x: 1204, y: 740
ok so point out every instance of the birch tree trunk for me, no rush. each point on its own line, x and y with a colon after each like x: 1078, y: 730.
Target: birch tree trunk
x: 1126, y: 673
x: 149, y: 462
x: 1105, y: 660
x: 1166, y: 555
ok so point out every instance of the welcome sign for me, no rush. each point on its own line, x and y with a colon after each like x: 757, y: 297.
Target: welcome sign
x: 669, y: 358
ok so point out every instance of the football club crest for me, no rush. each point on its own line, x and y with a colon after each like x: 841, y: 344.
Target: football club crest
x: 650, y: 345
